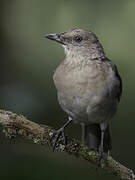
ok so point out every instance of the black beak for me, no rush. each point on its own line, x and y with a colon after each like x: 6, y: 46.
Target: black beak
x: 55, y: 37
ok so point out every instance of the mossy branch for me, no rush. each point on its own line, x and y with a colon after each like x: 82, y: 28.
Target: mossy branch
x: 14, y: 125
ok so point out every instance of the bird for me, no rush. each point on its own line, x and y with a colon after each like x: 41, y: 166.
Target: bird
x: 88, y: 86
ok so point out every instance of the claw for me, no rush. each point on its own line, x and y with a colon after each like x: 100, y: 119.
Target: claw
x: 101, y: 156
x: 60, y: 132
x: 101, y: 150
x: 55, y: 137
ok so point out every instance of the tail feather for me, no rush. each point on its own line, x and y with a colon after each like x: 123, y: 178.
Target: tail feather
x: 91, y: 135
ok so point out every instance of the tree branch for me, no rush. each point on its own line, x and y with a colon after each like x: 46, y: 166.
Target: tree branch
x: 14, y: 125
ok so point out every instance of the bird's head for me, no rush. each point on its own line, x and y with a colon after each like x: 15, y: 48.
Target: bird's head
x: 76, y: 41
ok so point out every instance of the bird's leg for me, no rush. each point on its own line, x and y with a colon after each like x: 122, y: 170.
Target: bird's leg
x: 101, y: 148
x: 60, y: 132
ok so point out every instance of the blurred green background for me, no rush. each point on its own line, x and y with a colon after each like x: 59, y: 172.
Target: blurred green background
x: 26, y: 87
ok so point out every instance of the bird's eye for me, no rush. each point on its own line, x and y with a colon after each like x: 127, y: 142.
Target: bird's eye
x: 78, y: 38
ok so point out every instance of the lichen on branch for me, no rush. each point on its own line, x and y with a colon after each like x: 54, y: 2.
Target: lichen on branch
x: 17, y: 125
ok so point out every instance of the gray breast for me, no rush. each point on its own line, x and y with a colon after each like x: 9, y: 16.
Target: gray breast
x: 86, y: 94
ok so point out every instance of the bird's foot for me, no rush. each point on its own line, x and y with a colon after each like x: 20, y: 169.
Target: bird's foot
x: 56, y: 135
x: 101, y: 156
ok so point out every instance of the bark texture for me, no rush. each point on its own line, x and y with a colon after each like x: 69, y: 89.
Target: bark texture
x: 17, y: 125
